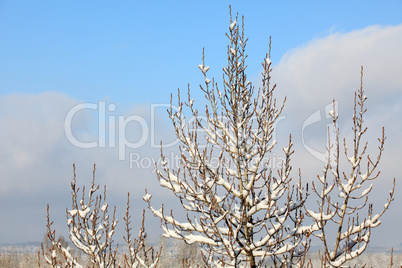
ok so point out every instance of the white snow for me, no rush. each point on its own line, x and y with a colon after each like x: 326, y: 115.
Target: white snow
x: 83, y: 213
x: 104, y: 207
x: 364, y: 176
x: 203, y: 68
x: 146, y: 197
x: 73, y: 212
x: 198, y: 238
x: 110, y: 234
x: 232, y: 25
x: 319, y: 217
x: 286, y: 149
x: 367, y: 190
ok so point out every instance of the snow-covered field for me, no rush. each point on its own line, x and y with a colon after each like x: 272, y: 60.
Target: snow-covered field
x: 26, y: 255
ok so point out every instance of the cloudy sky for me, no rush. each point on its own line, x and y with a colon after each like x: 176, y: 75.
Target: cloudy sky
x: 83, y: 81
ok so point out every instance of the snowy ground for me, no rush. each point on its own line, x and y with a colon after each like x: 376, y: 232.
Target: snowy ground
x: 26, y: 255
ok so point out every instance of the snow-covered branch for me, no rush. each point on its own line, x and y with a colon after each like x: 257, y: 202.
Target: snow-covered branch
x: 91, y: 230
x: 340, y: 210
x: 234, y: 205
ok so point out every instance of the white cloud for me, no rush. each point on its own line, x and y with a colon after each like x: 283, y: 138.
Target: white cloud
x: 31, y: 129
x: 327, y: 68
x: 36, y: 157
x: 314, y: 74
x: 36, y: 160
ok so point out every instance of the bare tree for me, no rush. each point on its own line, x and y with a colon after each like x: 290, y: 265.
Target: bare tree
x: 91, y: 230
x: 341, y: 199
x: 238, y: 206
x: 140, y: 254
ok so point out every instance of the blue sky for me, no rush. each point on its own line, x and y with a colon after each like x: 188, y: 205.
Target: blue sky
x: 57, y: 54
x: 123, y: 51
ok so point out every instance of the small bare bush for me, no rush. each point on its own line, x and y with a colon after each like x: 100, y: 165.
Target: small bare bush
x: 91, y: 230
x: 340, y: 200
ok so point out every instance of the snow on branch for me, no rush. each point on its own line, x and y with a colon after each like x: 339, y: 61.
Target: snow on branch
x: 91, y: 230
x: 340, y: 210
x: 234, y: 205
